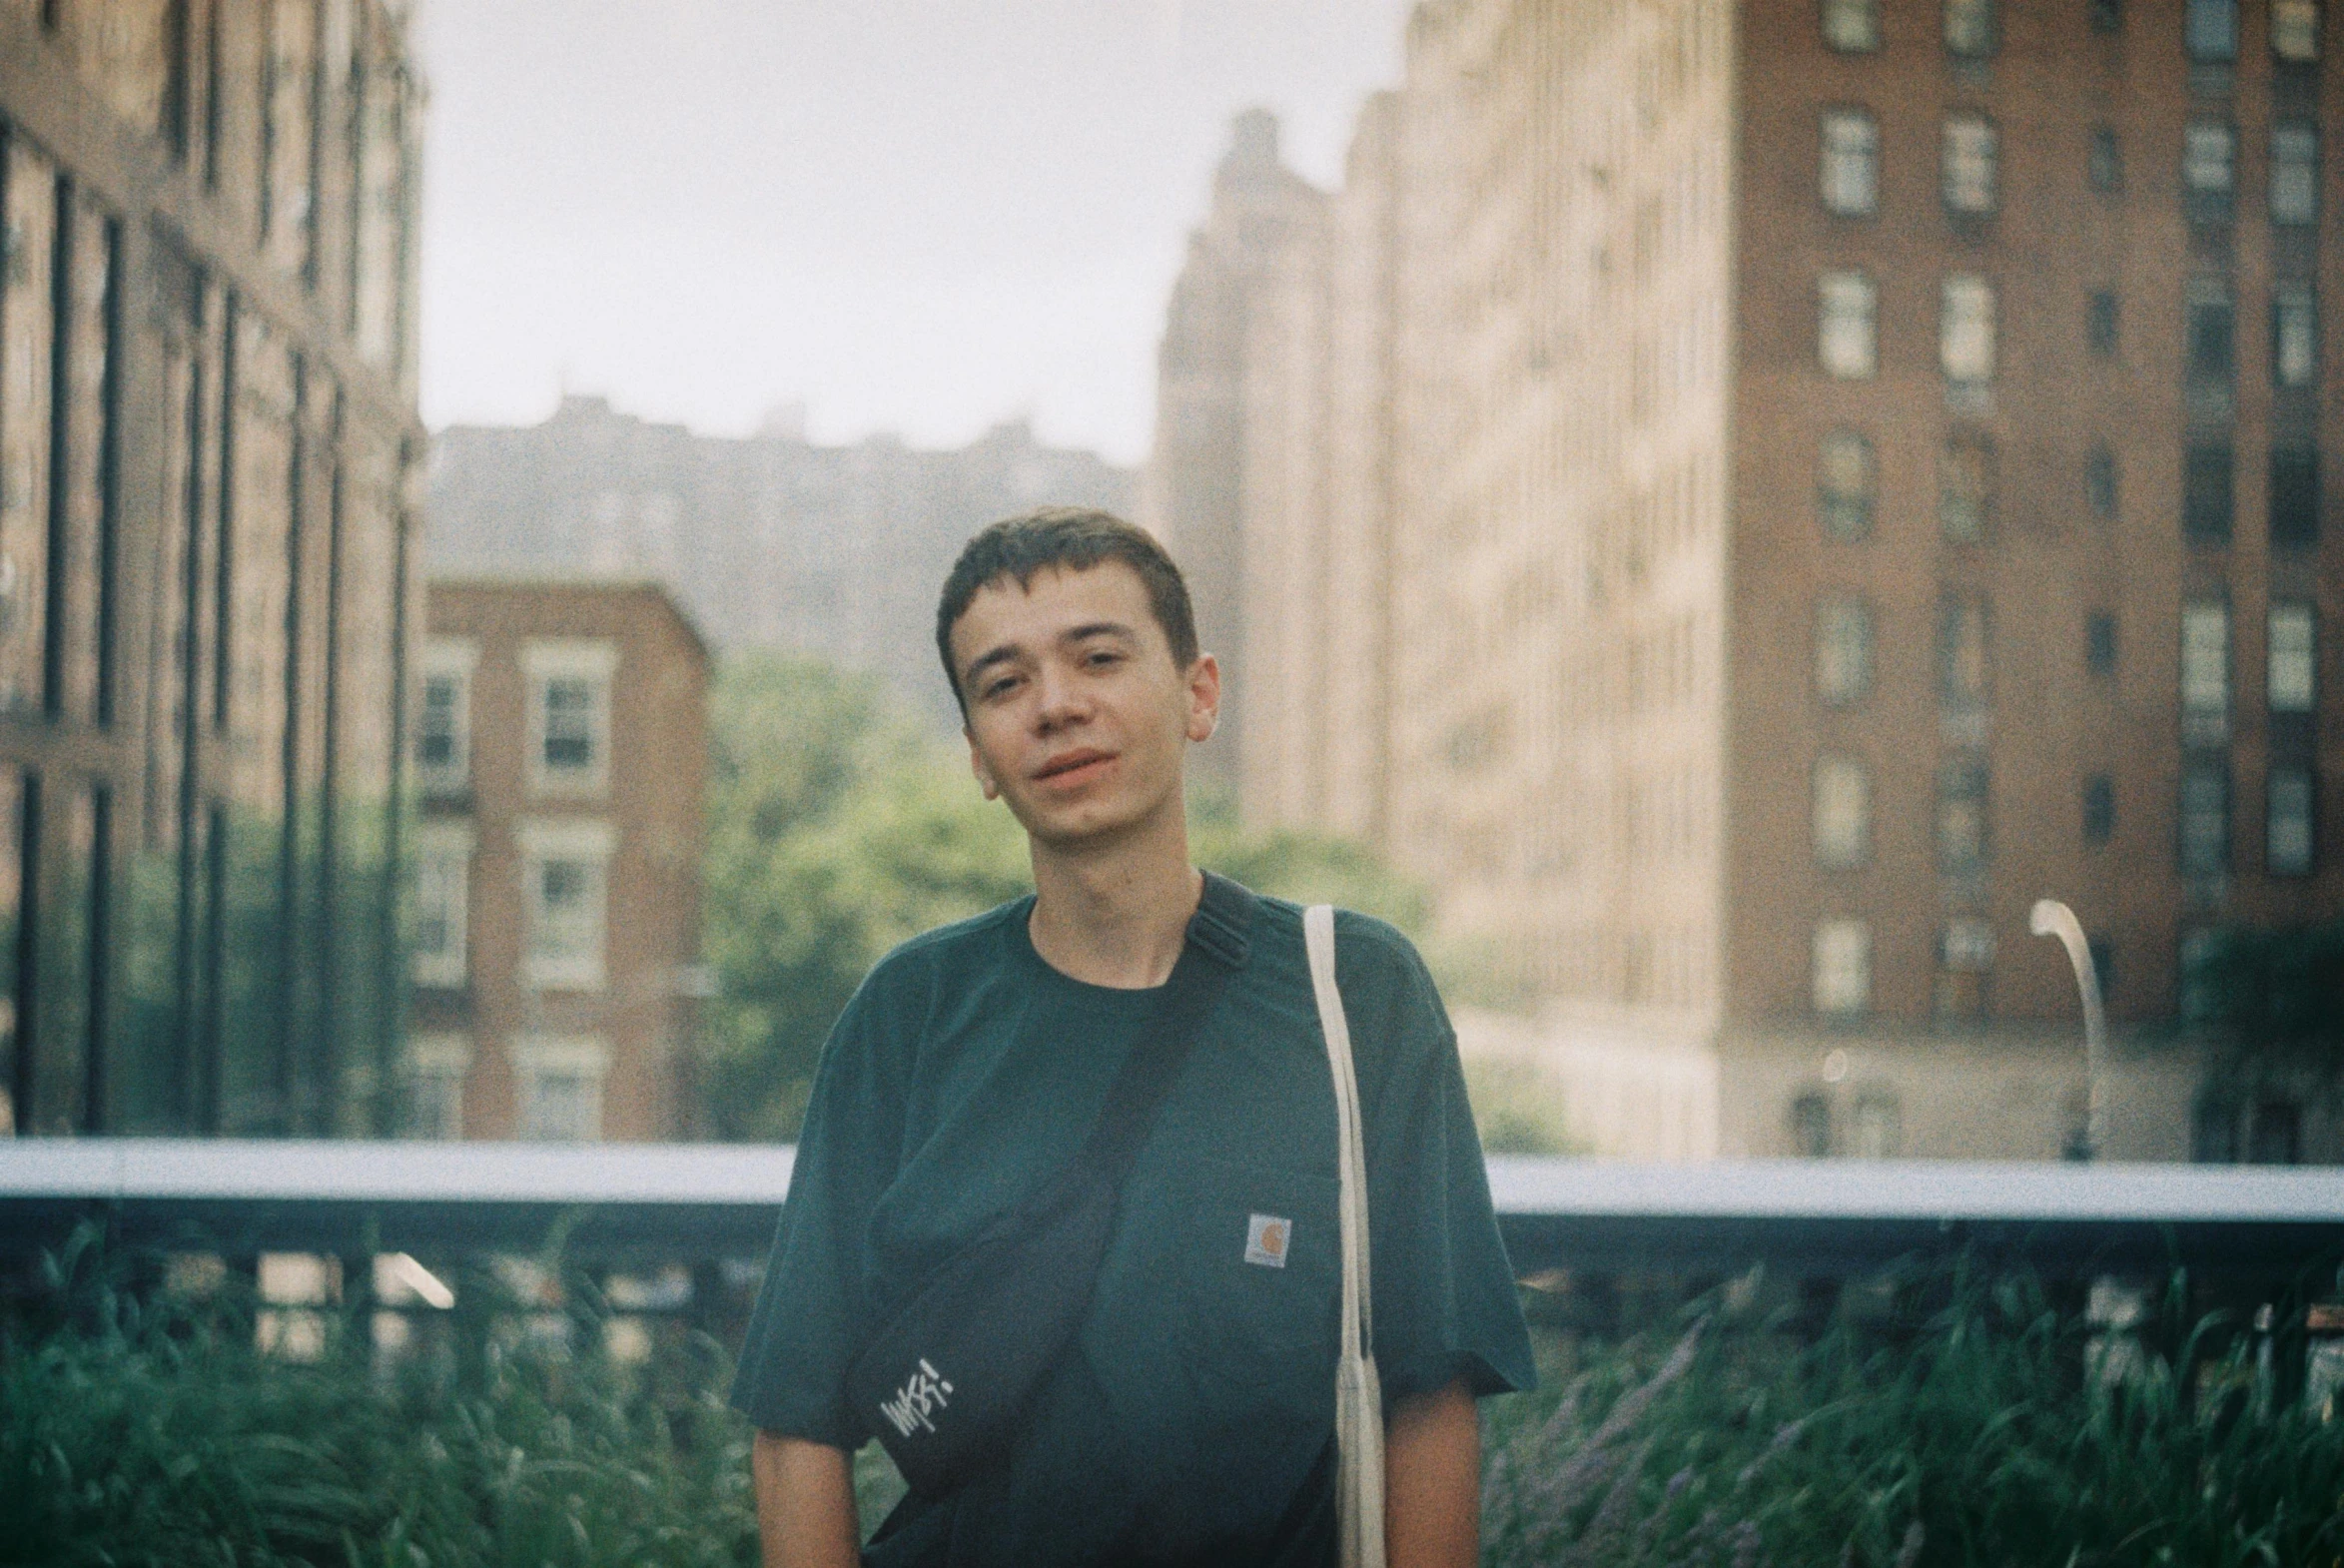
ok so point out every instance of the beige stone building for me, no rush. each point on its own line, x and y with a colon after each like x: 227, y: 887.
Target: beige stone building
x: 1853, y: 468
x: 560, y: 749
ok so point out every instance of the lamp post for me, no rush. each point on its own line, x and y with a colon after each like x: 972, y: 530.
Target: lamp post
x: 2051, y: 918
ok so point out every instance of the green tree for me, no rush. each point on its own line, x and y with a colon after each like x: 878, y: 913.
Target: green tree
x: 840, y: 825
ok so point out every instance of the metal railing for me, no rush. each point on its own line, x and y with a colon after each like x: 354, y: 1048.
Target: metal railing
x: 685, y: 1204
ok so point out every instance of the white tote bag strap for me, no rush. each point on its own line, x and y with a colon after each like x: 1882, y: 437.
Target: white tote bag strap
x: 1358, y: 1396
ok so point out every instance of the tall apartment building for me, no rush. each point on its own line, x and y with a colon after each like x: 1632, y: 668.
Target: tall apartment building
x: 208, y: 439
x: 1856, y: 469
x: 561, y: 748
x: 768, y: 541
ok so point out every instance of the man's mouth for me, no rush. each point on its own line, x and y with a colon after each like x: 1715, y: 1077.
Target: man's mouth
x: 1074, y: 766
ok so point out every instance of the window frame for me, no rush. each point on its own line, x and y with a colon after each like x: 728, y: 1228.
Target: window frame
x: 2281, y: 31
x: 2203, y: 831
x: 1960, y: 42
x: 544, y: 661
x: 543, y: 841
x: 1847, y: 305
x: 2209, y: 31
x: 538, y: 1060
x: 1973, y: 169
x: 1837, y: 161
x: 1866, y: 13
x: 444, y: 852
x: 2295, y: 333
x: 1842, y: 946
x: 2204, y: 203
x: 1965, y: 779
x: 1843, y: 515
x: 2279, y: 176
x: 2099, y: 810
x: 2103, y: 160
x: 2204, y: 687
x: 2292, y: 497
x: 2209, y: 512
x: 2104, y: 482
x: 2297, y: 854
x: 2294, y: 686
x: 451, y: 659
x: 1859, y: 614
x: 442, y: 1059
x: 1968, y: 480
x: 1841, y: 847
x: 1967, y: 329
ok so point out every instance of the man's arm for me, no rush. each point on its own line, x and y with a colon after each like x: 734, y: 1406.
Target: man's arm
x: 1431, y: 1480
x: 806, y: 1503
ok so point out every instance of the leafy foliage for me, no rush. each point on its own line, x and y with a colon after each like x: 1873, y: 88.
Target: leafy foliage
x: 839, y: 825
x: 1976, y: 1436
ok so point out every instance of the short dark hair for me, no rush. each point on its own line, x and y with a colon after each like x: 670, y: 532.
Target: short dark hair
x: 1072, y: 538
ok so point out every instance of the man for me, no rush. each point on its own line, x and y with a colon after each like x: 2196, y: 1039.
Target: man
x: 1191, y: 1419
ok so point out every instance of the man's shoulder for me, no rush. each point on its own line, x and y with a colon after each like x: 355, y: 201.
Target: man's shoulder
x: 957, y: 947
x: 1363, y: 942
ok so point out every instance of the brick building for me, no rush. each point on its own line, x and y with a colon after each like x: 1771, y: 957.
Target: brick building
x: 560, y: 747
x: 766, y: 541
x: 208, y: 535
x: 1855, y: 469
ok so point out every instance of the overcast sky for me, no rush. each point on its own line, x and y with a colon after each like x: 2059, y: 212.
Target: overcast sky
x: 918, y: 215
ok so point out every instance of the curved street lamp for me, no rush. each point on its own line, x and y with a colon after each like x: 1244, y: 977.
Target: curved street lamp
x: 2051, y: 918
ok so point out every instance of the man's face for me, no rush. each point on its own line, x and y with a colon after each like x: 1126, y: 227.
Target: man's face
x: 1076, y: 715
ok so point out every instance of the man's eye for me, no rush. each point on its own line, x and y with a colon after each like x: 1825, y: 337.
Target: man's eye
x: 997, y: 687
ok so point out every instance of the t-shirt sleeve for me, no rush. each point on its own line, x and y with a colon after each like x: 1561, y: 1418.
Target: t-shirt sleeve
x: 810, y: 1313
x: 1444, y: 1301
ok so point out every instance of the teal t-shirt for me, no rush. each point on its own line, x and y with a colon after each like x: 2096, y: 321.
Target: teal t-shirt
x: 1200, y: 1390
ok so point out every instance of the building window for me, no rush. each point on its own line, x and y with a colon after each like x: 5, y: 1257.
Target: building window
x: 1847, y: 481
x: 1968, y: 176
x: 444, y: 716
x: 2296, y: 335
x: 2099, y: 809
x: 569, y: 715
x: 1966, y: 957
x: 2209, y: 172
x: 2205, y: 818
x: 2208, y: 474
x: 2295, y: 31
x: 1810, y: 1126
x: 1842, y: 813
x: 2295, y: 174
x: 1843, y: 966
x: 2100, y: 324
x: 1843, y: 651
x: 1970, y: 28
x: 1851, y: 26
x: 432, y: 1088
x: 1851, y: 162
x: 2209, y: 30
x: 2295, y: 496
x: 1965, y: 489
x: 443, y: 876
x: 1878, y: 1127
x: 2288, y: 823
x: 2100, y: 481
x: 2210, y: 338
x: 2104, y: 165
x: 2292, y: 675
x: 1965, y: 328
x: 1964, y: 629
x: 2205, y: 673
x: 2099, y: 643
x: 565, y: 865
x: 1962, y: 821
x: 2108, y: 16
x: 1845, y: 343
x: 561, y: 1089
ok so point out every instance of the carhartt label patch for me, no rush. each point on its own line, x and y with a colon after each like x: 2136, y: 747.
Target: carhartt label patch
x: 1266, y: 1239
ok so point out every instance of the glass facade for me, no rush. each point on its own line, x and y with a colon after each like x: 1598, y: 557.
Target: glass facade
x: 206, y: 580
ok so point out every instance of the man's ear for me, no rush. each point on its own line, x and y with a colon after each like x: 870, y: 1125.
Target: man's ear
x: 978, y: 767
x: 1204, y: 697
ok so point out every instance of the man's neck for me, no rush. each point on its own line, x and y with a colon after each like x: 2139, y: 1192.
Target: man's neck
x: 1115, y: 915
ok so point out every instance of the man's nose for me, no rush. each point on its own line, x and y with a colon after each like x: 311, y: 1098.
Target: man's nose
x: 1061, y: 700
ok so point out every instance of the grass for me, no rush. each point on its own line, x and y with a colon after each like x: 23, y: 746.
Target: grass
x: 137, y: 1429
